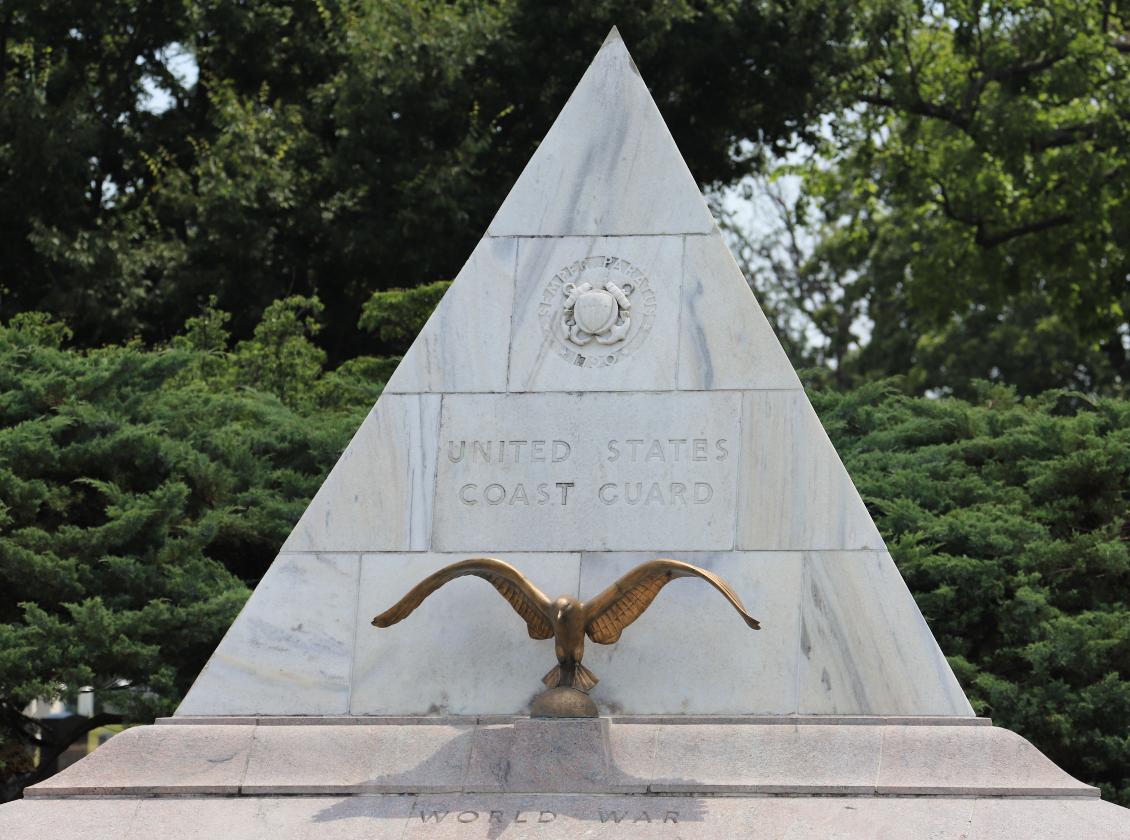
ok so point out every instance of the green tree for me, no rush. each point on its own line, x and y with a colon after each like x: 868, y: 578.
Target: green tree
x: 968, y: 202
x: 396, y: 316
x: 338, y: 147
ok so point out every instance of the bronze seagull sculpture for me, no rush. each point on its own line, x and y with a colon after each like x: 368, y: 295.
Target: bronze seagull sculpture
x: 566, y: 619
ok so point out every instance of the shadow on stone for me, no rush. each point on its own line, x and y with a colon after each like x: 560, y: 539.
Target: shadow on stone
x: 529, y: 771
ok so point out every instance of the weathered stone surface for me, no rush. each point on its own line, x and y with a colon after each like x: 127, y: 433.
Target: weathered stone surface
x: 559, y: 756
x: 1047, y: 819
x: 725, y: 341
x: 158, y: 759
x: 353, y: 759
x: 586, y: 472
x: 222, y: 817
x: 466, y: 342
x: 192, y: 818
x: 607, y: 167
x: 796, y: 494
x: 567, y: 756
x: 864, y: 645
x: 744, y: 759
x: 548, y: 817
x: 492, y: 720
x: 541, y: 356
x: 90, y: 819
x: 289, y: 654
x: 564, y: 778
x: 990, y: 761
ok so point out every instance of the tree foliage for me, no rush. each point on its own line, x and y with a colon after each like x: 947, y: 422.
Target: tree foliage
x: 1009, y: 518
x: 396, y: 316
x: 969, y: 200
x: 141, y: 492
x: 338, y: 147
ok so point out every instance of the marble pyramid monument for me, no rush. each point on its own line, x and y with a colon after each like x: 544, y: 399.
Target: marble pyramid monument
x: 598, y: 388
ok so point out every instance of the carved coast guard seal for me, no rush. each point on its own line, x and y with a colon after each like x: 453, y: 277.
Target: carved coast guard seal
x: 597, y: 310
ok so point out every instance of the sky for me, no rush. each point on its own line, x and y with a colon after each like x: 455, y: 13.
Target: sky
x: 181, y: 64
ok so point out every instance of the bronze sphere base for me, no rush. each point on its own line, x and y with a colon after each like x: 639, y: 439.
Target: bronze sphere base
x: 563, y: 702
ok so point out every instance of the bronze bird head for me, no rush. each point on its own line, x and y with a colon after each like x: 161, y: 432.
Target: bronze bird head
x: 564, y: 605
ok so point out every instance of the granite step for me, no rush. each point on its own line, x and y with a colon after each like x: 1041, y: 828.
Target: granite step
x: 599, y: 756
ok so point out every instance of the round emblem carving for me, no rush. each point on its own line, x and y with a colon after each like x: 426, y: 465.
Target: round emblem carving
x: 597, y: 310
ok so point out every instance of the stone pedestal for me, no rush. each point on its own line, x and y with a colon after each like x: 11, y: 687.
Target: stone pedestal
x: 341, y: 778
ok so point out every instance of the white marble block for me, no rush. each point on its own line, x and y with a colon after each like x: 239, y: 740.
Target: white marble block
x: 795, y: 492
x: 379, y: 494
x: 607, y: 167
x: 864, y: 646
x: 542, y: 358
x: 466, y: 342
x: 725, y: 340
x: 673, y: 660
x: 585, y: 471
x: 291, y: 648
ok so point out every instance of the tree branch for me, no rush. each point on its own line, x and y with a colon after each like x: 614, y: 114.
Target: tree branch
x: 986, y: 240
x: 982, y: 236
x: 1060, y: 137
x: 4, y: 28
x: 920, y: 107
x: 1024, y: 68
x: 960, y: 117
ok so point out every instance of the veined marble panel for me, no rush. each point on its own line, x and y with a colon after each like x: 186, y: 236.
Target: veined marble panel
x: 865, y: 647
x: 378, y: 497
x: 607, y: 166
x: 587, y: 472
x: 725, y: 341
x: 463, y: 651
x: 795, y: 492
x: 691, y: 653
x: 291, y: 648
x: 649, y: 269
x: 465, y: 343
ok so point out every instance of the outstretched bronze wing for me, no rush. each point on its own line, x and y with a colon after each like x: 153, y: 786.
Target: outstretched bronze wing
x: 526, y: 599
x: 623, y: 602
